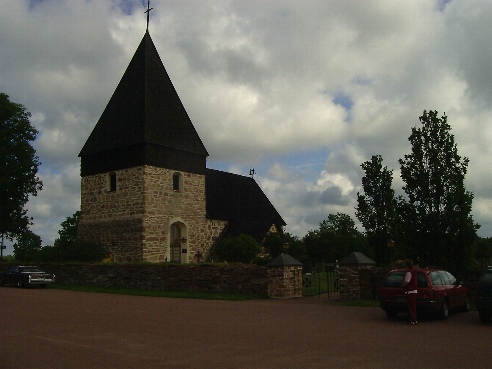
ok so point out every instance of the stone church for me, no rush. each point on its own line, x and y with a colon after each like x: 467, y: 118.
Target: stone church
x: 146, y: 192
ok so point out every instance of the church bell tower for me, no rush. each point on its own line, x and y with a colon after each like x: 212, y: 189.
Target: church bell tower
x: 143, y: 169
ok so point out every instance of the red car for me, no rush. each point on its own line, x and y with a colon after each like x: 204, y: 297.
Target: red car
x: 438, y: 293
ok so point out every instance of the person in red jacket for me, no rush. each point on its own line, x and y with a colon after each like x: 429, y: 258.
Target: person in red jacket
x: 409, y: 286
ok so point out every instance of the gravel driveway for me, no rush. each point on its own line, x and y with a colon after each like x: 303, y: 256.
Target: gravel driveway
x: 65, y: 329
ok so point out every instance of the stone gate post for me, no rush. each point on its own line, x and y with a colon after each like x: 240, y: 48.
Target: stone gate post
x: 284, y: 277
x: 349, y: 274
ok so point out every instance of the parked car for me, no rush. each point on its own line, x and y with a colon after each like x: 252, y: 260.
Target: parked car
x: 23, y: 276
x: 484, y: 296
x: 438, y: 293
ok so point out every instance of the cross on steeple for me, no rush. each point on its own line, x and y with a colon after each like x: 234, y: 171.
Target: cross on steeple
x: 148, y: 13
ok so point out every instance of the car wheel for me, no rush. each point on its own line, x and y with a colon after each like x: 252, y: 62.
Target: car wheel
x: 466, y: 306
x: 20, y: 284
x: 444, y: 313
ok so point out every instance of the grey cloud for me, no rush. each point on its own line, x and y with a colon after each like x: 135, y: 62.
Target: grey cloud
x: 261, y: 80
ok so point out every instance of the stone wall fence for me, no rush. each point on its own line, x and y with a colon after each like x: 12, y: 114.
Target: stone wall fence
x: 234, y: 278
x: 279, y: 279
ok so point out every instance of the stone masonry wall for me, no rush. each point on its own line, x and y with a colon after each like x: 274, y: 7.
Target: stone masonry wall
x: 134, y: 221
x: 285, y: 281
x: 350, y: 282
x: 166, y: 277
x: 163, y: 207
x: 114, y: 218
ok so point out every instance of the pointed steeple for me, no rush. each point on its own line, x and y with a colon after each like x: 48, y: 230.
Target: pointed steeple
x: 144, y: 123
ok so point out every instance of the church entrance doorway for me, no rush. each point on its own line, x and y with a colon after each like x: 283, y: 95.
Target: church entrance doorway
x: 179, y: 243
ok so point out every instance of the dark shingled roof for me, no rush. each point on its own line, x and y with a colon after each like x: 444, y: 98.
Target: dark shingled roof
x: 284, y: 260
x: 145, y: 109
x: 241, y: 201
x: 356, y: 258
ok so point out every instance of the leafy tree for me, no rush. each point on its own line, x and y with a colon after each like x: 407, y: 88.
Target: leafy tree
x: 483, y: 251
x: 438, y: 226
x: 18, y: 167
x: 68, y: 247
x: 50, y: 254
x: 376, y: 208
x: 336, y: 237
x: 241, y: 249
x: 322, y: 246
x: 82, y: 250
x: 27, y: 246
x: 69, y: 230
x: 341, y: 224
x: 277, y: 243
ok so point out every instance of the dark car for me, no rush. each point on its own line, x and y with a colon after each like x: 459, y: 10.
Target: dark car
x: 438, y: 293
x: 484, y: 296
x: 23, y: 276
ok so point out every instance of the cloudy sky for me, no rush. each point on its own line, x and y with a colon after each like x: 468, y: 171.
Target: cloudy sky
x: 303, y: 91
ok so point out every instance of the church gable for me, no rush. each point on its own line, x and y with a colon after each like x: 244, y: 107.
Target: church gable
x: 240, y: 201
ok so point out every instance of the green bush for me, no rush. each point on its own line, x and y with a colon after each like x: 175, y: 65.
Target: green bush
x: 241, y: 249
x: 78, y: 250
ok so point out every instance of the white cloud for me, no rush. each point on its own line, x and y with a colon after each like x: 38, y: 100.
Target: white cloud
x: 327, y: 180
x: 59, y: 199
x: 303, y: 91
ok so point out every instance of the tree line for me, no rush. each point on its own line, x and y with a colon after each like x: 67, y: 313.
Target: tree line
x: 431, y: 223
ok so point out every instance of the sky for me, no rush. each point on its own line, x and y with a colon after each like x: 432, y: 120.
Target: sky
x: 304, y: 92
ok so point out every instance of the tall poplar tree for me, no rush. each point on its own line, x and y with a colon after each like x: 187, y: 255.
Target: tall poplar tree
x: 439, y: 229
x: 376, y: 208
x: 18, y: 167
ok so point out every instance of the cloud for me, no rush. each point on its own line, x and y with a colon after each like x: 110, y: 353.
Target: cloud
x: 304, y: 92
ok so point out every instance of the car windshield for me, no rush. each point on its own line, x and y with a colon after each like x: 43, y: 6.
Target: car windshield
x: 435, y: 278
x: 442, y: 278
x: 451, y: 277
x: 394, y: 279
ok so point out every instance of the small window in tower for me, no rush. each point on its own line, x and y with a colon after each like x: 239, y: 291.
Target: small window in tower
x: 112, y: 182
x: 177, y: 182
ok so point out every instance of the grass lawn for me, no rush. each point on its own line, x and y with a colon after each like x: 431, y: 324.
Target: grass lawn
x: 312, y: 290
x: 319, y: 283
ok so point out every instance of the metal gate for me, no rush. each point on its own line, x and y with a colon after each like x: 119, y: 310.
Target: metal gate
x: 322, y: 280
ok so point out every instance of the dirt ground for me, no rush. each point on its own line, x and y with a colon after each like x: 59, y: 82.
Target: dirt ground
x: 65, y: 329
